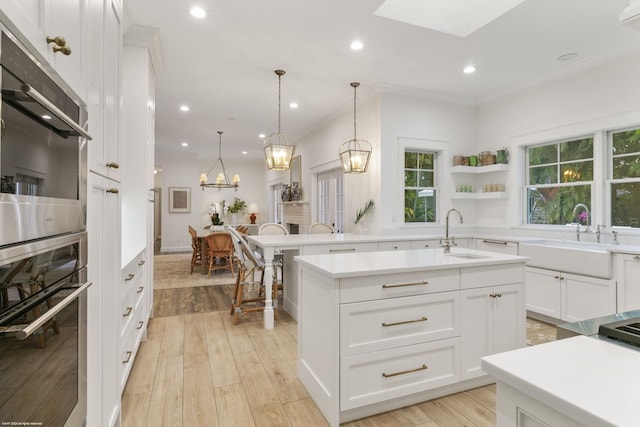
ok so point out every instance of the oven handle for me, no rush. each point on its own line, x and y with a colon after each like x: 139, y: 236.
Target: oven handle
x: 32, y: 327
x: 44, y: 102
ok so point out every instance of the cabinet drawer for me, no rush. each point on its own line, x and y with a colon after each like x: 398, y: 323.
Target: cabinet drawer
x: 425, y: 244
x: 382, y: 324
x: 132, y: 272
x: 394, y: 246
x: 340, y: 248
x: 129, y: 303
x: 379, y: 376
x: 490, y: 275
x: 398, y: 285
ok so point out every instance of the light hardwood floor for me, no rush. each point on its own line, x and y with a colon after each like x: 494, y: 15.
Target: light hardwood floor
x: 199, y: 369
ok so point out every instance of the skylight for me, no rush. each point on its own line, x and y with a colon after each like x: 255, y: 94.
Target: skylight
x: 460, y: 17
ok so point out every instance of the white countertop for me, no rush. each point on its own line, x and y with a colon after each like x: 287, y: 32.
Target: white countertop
x: 401, y: 261
x: 593, y: 381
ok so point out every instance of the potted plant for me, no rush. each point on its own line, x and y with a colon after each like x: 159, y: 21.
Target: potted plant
x: 237, y: 206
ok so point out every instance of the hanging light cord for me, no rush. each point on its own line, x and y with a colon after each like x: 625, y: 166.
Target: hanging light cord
x: 280, y: 73
x: 354, y: 85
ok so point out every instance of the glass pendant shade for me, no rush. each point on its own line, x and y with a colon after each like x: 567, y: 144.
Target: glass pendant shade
x: 222, y: 179
x: 278, y: 151
x: 355, y: 153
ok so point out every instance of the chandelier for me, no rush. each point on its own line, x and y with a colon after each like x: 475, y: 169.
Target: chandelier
x: 277, y: 149
x: 355, y: 153
x: 222, y: 179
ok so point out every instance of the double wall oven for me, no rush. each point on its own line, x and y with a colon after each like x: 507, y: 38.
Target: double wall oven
x: 43, y: 245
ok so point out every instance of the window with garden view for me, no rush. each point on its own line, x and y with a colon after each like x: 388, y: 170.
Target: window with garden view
x: 560, y: 182
x: 419, y: 187
x: 625, y: 178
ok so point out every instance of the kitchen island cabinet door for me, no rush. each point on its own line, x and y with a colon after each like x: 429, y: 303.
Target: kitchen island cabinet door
x: 493, y: 321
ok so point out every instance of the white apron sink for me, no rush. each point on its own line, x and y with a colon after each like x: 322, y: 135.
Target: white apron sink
x: 589, y: 259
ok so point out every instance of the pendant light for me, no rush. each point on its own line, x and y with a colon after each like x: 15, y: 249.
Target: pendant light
x: 277, y: 149
x: 222, y: 179
x: 354, y: 154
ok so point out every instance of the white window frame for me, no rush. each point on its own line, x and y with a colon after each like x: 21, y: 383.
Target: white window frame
x: 441, y: 150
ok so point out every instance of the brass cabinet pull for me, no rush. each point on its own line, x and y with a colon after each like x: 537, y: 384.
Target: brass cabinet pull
x: 494, y: 242
x: 343, y: 250
x: 557, y: 277
x: 113, y: 190
x: 65, y: 50
x: 129, y: 354
x: 421, y: 368
x: 140, y: 324
x: 495, y: 295
x: 424, y: 282
x: 113, y: 165
x: 141, y: 262
x: 129, y: 277
x: 59, y: 41
x: 404, y: 322
x: 140, y: 289
x: 128, y: 312
x: 60, y: 45
x: 636, y: 258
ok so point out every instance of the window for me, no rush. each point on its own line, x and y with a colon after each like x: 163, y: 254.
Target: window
x: 331, y: 198
x: 559, y: 182
x: 276, y: 206
x: 419, y: 186
x: 625, y: 178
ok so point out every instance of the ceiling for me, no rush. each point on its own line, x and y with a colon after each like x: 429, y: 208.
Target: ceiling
x: 222, y: 66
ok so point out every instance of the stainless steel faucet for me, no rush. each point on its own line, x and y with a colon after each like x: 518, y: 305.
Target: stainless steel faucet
x: 586, y: 209
x: 447, y: 244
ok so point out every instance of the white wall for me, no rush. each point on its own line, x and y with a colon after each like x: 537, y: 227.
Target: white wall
x: 603, y: 97
x: 183, y: 170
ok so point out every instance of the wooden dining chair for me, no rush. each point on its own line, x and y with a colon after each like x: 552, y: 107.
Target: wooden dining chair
x: 321, y: 228
x: 248, y: 266
x: 220, y: 248
x: 196, y: 256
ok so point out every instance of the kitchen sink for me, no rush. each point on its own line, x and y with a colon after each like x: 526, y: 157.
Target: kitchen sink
x: 589, y: 259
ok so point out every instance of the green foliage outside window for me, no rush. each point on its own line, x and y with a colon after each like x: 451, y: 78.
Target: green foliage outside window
x: 419, y: 187
x: 625, y: 174
x: 559, y: 176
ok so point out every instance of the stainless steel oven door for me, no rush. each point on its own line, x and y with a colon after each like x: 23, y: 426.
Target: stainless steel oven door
x: 43, y: 158
x: 43, y: 332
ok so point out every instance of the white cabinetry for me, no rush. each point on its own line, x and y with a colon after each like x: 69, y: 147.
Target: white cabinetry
x: 104, y: 92
x: 133, y: 314
x: 493, y: 321
x: 394, y: 246
x: 371, y: 343
x: 497, y: 245
x: 56, y: 31
x: 628, y: 274
x: 103, y: 227
x: 569, y: 297
x: 425, y: 244
x: 480, y: 182
x: 339, y: 248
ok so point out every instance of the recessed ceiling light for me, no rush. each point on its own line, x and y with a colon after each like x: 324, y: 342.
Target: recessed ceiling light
x: 357, y: 45
x: 45, y: 116
x: 469, y: 69
x: 184, y: 144
x: 568, y: 57
x: 198, y: 12
x: 293, y: 105
x: 262, y: 136
x: 184, y: 108
x: 244, y: 152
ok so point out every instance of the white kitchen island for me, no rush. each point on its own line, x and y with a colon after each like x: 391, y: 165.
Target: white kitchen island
x: 579, y: 381
x: 383, y: 330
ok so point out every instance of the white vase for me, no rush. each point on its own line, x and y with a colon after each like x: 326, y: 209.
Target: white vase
x: 234, y: 219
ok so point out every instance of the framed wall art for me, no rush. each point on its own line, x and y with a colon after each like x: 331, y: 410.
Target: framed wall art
x: 179, y: 200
